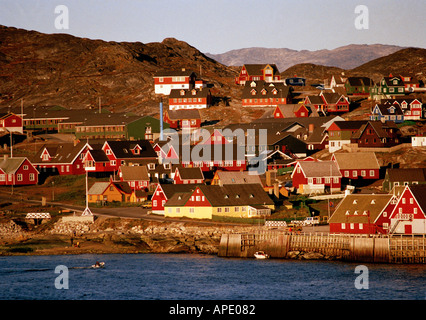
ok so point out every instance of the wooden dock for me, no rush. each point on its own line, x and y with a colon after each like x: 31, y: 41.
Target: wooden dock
x: 362, y: 248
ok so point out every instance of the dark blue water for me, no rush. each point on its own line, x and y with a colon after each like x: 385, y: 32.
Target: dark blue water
x: 204, y: 277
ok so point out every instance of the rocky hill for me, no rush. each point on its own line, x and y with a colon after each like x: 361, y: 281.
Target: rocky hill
x: 60, y: 69
x: 346, y: 57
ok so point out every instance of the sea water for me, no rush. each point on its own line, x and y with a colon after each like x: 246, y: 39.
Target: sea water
x: 203, y: 277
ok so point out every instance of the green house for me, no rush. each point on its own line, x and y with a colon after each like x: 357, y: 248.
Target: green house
x: 388, y: 87
x: 358, y: 85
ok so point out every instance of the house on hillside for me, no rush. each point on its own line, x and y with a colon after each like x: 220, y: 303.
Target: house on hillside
x: 310, y: 177
x: 10, y: 122
x: 412, y: 108
x: 191, y: 98
x: 335, y: 102
x: 316, y: 102
x: 183, y: 119
x: 284, y: 111
x: 340, y: 133
x: 265, y: 94
x: 136, y: 176
x: 376, y: 134
x: 295, y: 81
x: 395, y: 177
x: 388, y: 87
x: 363, y: 214
x: 61, y: 159
x: 167, y: 80
x: 387, y: 112
x: 357, y: 167
x: 358, y: 86
x: 17, y: 171
x: 411, y: 83
x: 207, y: 201
x: 188, y: 175
x: 409, y: 214
x: 258, y: 72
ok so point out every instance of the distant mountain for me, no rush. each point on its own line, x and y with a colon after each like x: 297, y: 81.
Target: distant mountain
x: 346, y: 57
x: 60, y: 69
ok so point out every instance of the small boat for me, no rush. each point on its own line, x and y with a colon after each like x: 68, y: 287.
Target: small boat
x: 98, y: 265
x: 261, y: 255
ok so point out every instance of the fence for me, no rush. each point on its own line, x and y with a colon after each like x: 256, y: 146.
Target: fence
x: 377, y: 249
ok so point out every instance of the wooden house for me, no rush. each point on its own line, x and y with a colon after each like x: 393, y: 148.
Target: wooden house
x: 340, y: 133
x: 335, y: 102
x: 387, y: 112
x: 411, y: 83
x: 207, y: 201
x: 258, y: 72
x: 284, y: 111
x: 395, y: 177
x: 163, y: 192
x: 191, y: 98
x: 295, y: 81
x: 61, y: 159
x: 188, y: 175
x: 358, y: 86
x: 17, y: 171
x: 265, y: 94
x: 167, y: 80
x: 316, y: 177
x: 10, y: 122
x: 136, y: 176
x: 234, y: 177
x: 316, y: 102
x: 183, y: 119
x: 376, y: 134
x: 357, y: 166
x: 412, y: 108
x: 409, y: 214
x: 388, y: 87
x: 363, y: 214
x: 109, y: 191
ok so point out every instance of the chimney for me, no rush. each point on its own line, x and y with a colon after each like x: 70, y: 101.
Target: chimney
x: 311, y: 127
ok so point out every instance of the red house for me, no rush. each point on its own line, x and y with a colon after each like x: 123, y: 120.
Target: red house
x: 377, y: 134
x: 183, y: 118
x: 17, y: 171
x: 164, y: 192
x: 265, y: 72
x: 357, y: 165
x: 191, y: 98
x: 188, y: 175
x: 335, y: 102
x: 291, y: 111
x: 62, y: 159
x: 10, y: 122
x: 363, y: 214
x: 136, y: 176
x: 166, y: 80
x: 264, y: 94
x: 316, y: 177
x: 409, y: 214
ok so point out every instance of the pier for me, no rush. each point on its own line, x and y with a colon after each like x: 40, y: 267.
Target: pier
x: 357, y: 248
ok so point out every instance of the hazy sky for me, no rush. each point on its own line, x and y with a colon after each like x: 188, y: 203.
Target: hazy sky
x: 217, y: 26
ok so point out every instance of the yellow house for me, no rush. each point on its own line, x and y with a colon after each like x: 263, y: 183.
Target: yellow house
x: 101, y: 192
x: 206, y: 201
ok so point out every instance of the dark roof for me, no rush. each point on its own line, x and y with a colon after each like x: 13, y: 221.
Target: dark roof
x: 419, y: 192
x: 350, y: 125
x: 170, y: 189
x: 407, y: 174
x: 360, y: 81
x: 123, y: 149
x: 263, y: 89
x: 184, y: 114
x: 189, y: 93
x: 385, y: 109
x: 60, y: 153
x: 257, y: 69
x: 174, y: 73
x: 378, y: 126
x: 190, y: 173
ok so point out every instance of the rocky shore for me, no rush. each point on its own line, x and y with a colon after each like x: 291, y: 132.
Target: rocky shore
x: 112, y: 235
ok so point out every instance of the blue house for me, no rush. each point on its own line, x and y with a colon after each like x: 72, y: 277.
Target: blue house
x: 386, y: 112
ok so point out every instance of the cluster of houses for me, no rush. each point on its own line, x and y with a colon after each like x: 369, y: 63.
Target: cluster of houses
x: 241, y: 169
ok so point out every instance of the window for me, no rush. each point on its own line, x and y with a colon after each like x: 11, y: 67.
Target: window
x: 219, y: 209
x: 25, y: 167
x: 226, y: 209
x: 19, y: 176
x: 371, y: 173
x: 363, y: 173
x: 346, y: 174
x: 343, y: 226
x: 191, y: 210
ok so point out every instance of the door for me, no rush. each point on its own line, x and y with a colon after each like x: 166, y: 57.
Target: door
x: 408, y: 229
